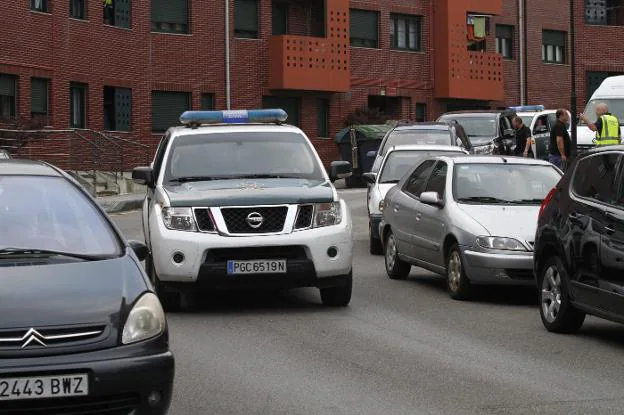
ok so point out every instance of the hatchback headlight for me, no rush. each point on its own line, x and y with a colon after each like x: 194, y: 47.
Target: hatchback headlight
x: 382, y: 203
x: 505, y: 244
x: 486, y: 149
x: 179, y: 219
x: 327, y: 214
x: 145, y: 321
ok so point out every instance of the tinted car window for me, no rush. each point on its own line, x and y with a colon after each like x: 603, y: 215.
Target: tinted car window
x: 243, y: 154
x: 399, y: 163
x: 419, y: 136
x: 437, y: 181
x: 160, y: 155
x: 475, y: 126
x: 595, y: 178
x: 50, y: 213
x: 416, y: 183
x: 503, y: 183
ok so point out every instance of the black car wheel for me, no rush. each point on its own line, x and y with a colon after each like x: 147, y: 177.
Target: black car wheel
x: 556, y: 310
x: 396, y: 268
x: 338, y: 296
x: 456, y: 279
x: 374, y: 244
x: 170, y: 300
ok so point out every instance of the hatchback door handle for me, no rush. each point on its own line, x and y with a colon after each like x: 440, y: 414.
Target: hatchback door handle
x: 609, y: 230
x: 397, y: 208
x: 418, y: 215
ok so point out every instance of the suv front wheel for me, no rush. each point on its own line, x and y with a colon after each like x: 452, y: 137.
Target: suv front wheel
x: 556, y: 310
x: 339, y: 296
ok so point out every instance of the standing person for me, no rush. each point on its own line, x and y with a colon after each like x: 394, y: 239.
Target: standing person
x: 523, y: 138
x: 606, y: 127
x: 560, y: 146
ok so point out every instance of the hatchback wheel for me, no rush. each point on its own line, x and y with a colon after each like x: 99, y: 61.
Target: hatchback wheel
x: 456, y: 279
x: 556, y: 310
x: 395, y: 267
x: 374, y: 244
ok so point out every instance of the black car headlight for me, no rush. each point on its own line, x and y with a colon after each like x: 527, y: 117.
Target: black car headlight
x: 145, y: 321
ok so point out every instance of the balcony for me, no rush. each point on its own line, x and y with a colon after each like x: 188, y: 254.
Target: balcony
x: 462, y: 73
x: 312, y: 63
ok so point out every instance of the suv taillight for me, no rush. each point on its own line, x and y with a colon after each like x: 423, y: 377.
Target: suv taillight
x: 546, y: 201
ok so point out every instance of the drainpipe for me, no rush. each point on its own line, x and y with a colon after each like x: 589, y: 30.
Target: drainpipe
x: 521, y: 56
x: 227, y: 56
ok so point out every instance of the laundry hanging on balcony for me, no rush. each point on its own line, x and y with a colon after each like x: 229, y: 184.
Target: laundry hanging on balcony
x: 477, y: 28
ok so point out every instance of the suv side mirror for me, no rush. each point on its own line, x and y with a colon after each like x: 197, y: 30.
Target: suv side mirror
x: 143, y: 176
x: 431, y: 198
x: 371, y: 154
x: 509, y: 133
x: 369, y: 178
x: 139, y: 248
x: 340, y: 170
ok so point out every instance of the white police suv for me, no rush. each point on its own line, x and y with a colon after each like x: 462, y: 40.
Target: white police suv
x: 237, y: 199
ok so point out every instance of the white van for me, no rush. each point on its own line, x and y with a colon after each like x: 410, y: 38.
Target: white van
x: 610, y: 92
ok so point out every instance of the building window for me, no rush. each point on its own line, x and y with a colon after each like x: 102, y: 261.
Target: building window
x: 40, y: 5
x: 553, y: 46
x: 604, y: 12
x: 167, y: 108
x: 405, y: 32
x: 504, y: 39
x: 39, y: 97
x: 421, y: 112
x: 117, y: 13
x: 208, y: 102
x: 170, y: 16
x: 78, y: 105
x: 322, y: 117
x: 8, y: 94
x: 117, y: 109
x: 279, y: 16
x: 289, y: 104
x: 364, y: 28
x: 246, y: 19
x: 77, y: 9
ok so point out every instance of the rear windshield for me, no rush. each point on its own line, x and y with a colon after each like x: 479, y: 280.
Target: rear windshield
x: 49, y: 213
x: 400, y: 162
x: 503, y: 183
x: 241, y: 155
x: 416, y: 137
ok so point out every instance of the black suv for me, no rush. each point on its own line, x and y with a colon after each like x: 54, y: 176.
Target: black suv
x: 487, y: 130
x: 579, y: 245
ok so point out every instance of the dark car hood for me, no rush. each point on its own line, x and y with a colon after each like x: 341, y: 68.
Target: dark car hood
x: 93, y: 292
x: 249, y: 192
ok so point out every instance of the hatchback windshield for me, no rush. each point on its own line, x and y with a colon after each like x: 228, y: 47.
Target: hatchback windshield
x: 399, y: 162
x: 418, y: 137
x: 503, y: 183
x: 242, y: 155
x: 475, y: 126
x: 616, y: 107
x: 49, y: 213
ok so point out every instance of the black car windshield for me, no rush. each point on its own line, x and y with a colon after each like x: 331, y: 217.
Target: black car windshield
x: 503, y: 183
x: 49, y: 213
x: 616, y: 107
x: 242, y: 155
x: 475, y: 126
x: 417, y: 137
x: 399, y: 162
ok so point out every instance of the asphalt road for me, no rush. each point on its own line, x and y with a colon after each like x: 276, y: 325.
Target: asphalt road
x: 401, y: 347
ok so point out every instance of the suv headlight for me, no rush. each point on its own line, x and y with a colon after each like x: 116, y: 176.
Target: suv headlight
x: 495, y: 242
x: 145, y: 321
x: 179, y: 219
x: 327, y: 214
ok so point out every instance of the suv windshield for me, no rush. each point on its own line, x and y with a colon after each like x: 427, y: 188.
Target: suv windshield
x: 503, y: 183
x: 399, y: 162
x: 475, y: 126
x: 49, y: 213
x: 527, y: 119
x: 242, y: 155
x: 417, y: 137
x: 616, y: 107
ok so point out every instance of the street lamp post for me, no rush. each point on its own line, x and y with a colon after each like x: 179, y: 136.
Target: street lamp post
x: 573, y: 108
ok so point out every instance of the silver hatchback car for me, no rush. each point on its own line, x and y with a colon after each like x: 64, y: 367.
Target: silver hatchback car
x: 471, y: 219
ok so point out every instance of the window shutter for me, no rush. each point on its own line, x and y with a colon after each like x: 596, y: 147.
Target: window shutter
x: 123, y: 109
x: 7, y: 85
x: 364, y: 25
x: 503, y: 31
x: 39, y: 96
x: 170, y: 11
x: 322, y: 117
x: 555, y: 38
x: 246, y: 15
x: 288, y: 104
x: 280, y: 18
x: 167, y: 108
x: 596, y: 12
x: 122, y: 13
x: 207, y: 102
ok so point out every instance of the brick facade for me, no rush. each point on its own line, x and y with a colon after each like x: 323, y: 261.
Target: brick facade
x: 63, y: 50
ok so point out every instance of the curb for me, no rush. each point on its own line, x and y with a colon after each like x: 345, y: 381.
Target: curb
x: 121, y: 206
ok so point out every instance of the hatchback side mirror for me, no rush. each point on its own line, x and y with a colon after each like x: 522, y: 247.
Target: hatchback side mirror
x: 369, y: 178
x: 431, y: 198
x: 140, y: 249
x: 340, y: 170
x: 143, y: 176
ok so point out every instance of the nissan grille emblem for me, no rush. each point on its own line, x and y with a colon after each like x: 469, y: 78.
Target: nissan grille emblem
x: 255, y: 220
x: 32, y: 336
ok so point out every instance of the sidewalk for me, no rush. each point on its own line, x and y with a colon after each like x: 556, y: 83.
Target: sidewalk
x: 134, y: 201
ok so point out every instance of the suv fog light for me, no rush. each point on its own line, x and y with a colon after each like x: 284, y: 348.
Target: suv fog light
x: 332, y: 251
x: 178, y: 257
x: 154, y: 399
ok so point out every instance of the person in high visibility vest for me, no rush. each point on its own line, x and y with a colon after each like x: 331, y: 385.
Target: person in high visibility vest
x: 606, y: 127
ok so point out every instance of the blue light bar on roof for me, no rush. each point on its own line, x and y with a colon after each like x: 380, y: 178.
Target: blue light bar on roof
x: 527, y: 108
x: 265, y: 116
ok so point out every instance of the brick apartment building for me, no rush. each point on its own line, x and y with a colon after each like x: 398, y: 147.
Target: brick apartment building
x: 133, y: 68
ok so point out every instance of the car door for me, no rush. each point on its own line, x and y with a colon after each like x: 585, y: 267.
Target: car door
x: 150, y: 199
x: 541, y: 137
x: 429, y: 229
x: 405, y: 207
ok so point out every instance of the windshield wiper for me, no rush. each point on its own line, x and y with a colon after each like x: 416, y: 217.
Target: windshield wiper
x: 267, y: 176
x: 389, y: 181
x: 520, y: 201
x: 47, y: 252
x: 484, y: 199
x: 198, y: 179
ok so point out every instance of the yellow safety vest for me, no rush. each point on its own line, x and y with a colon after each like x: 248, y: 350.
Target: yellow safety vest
x: 610, y: 133
x: 107, y: 3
